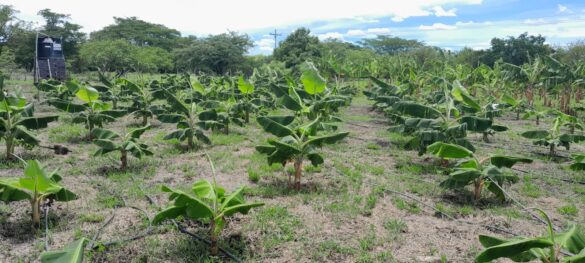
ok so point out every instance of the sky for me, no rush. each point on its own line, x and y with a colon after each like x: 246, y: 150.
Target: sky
x: 450, y: 24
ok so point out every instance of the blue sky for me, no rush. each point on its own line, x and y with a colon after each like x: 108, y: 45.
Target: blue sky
x: 450, y: 24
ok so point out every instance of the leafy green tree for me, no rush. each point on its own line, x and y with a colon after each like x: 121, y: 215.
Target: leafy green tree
x: 297, y: 48
x: 36, y: 186
x: 470, y: 57
x: 109, y: 55
x: 153, y: 60
x: 140, y: 33
x: 519, y: 50
x: 22, y: 44
x: 391, y: 45
x: 219, y: 54
x: 8, y: 24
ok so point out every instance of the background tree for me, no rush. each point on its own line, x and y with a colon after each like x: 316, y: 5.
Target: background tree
x: 22, y: 45
x: 518, y: 50
x: 391, y: 45
x: 108, y: 55
x: 8, y: 22
x: 298, y: 47
x: 218, y: 53
x: 139, y: 33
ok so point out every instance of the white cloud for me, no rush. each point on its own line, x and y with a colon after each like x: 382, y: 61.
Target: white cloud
x: 210, y: 17
x: 439, y: 11
x: 379, y: 31
x: 265, y: 44
x: 563, y: 8
x: 437, y: 26
x: 355, y: 33
x: 329, y: 35
x: 534, y: 21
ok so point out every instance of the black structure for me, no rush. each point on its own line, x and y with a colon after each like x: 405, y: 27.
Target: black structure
x: 49, y: 59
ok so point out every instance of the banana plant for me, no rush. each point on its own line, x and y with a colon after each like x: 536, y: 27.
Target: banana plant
x: 113, y: 90
x: 553, y: 137
x: 247, y: 89
x: 57, y: 89
x: 142, y: 99
x: 93, y: 112
x: 538, y: 115
x: 35, y: 186
x: 477, y: 118
x: 578, y: 162
x: 566, y: 247
x: 72, y: 253
x: 186, y: 116
x: 110, y: 141
x: 17, y: 121
x: 471, y: 170
x: 295, y: 142
x: 206, y: 200
x: 221, y: 116
x: 518, y: 106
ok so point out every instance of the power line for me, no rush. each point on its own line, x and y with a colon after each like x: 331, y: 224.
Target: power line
x: 275, y: 35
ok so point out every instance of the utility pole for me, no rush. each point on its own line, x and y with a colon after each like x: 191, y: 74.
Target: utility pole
x: 275, y: 35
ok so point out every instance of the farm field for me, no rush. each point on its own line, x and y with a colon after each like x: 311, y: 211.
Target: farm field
x: 369, y: 201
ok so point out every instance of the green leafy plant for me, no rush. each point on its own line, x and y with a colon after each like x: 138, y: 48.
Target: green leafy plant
x: 93, y: 112
x: 567, y: 246
x: 110, y: 141
x: 296, y: 142
x: 578, y: 162
x: 554, y: 137
x: 206, y: 200
x: 186, y: 116
x: 538, y: 115
x: 36, y: 186
x: 72, y: 253
x: 480, y: 173
x: 518, y: 106
x: 16, y: 121
x: 247, y: 89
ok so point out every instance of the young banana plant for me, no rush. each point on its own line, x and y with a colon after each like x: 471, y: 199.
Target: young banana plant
x: 477, y: 172
x: 16, y: 121
x: 554, y: 137
x: 296, y: 142
x: 477, y: 118
x: 110, y: 141
x: 221, y: 116
x: 247, y: 89
x: 567, y: 246
x: 142, y: 99
x: 206, y: 200
x: 72, y: 253
x: 538, y: 115
x: 517, y: 106
x: 93, y: 112
x: 186, y: 116
x: 35, y: 186
x: 578, y: 162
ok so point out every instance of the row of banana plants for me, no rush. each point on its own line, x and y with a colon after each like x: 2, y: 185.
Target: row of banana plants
x: 308, y: 119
